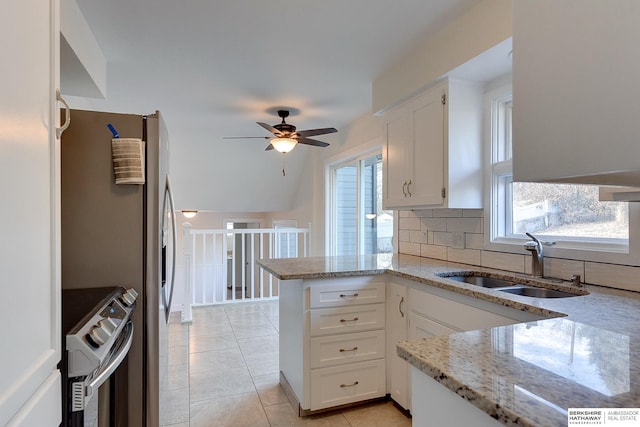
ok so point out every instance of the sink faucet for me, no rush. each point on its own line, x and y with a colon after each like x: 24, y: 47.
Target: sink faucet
x: 537, y: 256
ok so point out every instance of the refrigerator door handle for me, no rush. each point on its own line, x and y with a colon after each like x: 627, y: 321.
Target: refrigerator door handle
x: 168, y: 198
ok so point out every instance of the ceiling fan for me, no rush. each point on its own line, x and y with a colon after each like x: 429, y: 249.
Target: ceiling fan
x: 285, y: 137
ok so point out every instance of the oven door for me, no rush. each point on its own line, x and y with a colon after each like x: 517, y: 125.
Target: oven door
x: 90, y: 397
x: 116, y: 356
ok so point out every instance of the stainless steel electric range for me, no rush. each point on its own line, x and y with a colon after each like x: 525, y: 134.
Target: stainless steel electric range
x: 96, y: 334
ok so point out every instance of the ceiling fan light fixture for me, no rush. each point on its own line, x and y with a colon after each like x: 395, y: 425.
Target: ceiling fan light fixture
x: 284, y: 145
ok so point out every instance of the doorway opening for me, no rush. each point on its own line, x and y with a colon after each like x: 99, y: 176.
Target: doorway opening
x: 242, y: 248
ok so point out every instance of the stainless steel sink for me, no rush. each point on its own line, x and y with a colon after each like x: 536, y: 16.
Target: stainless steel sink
x: 509, y: 286
x: 537, y: 292
x: 485, y: 282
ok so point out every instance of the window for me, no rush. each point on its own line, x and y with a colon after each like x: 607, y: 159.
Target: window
x: 358, y: 223
x: 555, y: 212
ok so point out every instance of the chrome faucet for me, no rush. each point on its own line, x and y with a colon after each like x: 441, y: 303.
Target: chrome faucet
x: 537, y: 256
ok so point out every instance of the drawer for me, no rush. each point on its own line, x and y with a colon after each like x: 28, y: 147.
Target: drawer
x: 421, y: 327
x: 341, y: 320
x: 349, y: 383
x: 348, y: 348
x: 454, y: 314
x: 345, y: 294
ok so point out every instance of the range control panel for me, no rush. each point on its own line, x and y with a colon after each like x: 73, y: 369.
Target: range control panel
x: 88, y: 344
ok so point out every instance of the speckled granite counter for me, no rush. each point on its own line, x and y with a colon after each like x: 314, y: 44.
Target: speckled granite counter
x: 586, y: 355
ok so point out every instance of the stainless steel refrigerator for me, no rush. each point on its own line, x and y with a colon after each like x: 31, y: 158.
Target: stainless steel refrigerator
x: 122, y: 235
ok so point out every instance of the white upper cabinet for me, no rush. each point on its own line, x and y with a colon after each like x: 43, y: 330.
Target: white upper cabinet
x: 576, y: 109
x: 432, y: 155
x: 30, y: 389
x: 413, y: 152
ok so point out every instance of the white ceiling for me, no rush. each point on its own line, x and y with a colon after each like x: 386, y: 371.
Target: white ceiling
x: 215, y: 67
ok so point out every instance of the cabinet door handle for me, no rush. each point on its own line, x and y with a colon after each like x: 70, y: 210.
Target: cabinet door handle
x: 348, y: 385
x: 342, y: 350
x: 404, y: 189
x: 348, y: 296
x: 409, y: 188
x: 355, y: 319
x: 67, y: 115
x: 400, y: 306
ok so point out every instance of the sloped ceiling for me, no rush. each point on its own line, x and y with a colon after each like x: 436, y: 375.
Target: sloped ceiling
x: 214, y: 68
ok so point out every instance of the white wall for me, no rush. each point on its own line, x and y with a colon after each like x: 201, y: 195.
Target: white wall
x: 482, y: 27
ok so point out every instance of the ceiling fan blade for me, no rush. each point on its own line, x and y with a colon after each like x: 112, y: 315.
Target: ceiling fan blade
x: 315, y: 132
x: 269, y: 147
x: 314, y: 142
x: 247, y: 137
x: 270, y: 128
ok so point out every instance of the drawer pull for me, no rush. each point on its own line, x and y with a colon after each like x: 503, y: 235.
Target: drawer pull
x: 348, y: 385
x: 348, y: 296
x: 342, y: 350
x: 355, y: 319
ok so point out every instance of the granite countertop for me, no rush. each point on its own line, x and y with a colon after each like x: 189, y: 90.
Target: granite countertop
x: 585, y: 355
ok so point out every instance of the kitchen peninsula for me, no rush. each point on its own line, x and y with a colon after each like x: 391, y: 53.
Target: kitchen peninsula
x: 540, y: 357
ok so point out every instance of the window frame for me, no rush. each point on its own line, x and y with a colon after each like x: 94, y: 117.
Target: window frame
x: 351, y: 157
x: 584, y: 249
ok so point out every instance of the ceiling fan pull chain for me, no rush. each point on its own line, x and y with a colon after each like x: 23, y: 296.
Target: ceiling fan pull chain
x: 283, y: 174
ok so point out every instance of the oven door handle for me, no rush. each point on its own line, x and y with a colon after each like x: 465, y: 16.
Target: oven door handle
x: 117, y: 358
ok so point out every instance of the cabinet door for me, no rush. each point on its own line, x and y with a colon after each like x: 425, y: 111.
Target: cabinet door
x: 428, y: 117
x: 397, y: 162
x: 575, y: 110
x: 414, y: 155
x: 29, y: 223
x: 397, y: 368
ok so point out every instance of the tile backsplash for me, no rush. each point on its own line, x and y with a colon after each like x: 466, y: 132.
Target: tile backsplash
x: 457, y: 235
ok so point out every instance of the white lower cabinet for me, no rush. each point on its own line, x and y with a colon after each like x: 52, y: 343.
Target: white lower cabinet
x: 346, y: 342
x: 340, y: 326
x: 348, y: 328
x: 439, y: 406
x: 433, y: 312
x: 438, y: 312
x: 398, y: 384
x: 352, y: 382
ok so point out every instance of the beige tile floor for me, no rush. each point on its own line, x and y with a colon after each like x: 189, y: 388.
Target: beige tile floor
x: 223, y: 371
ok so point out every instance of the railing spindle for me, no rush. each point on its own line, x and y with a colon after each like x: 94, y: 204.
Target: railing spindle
x: 208, y: 258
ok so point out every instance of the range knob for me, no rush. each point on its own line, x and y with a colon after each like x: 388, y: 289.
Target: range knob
x: 101, y: 332
x: 129, y: 297
x: 108, y: 325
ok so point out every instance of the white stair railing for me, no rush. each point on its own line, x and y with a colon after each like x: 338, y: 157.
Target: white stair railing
x: 220, y: 265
